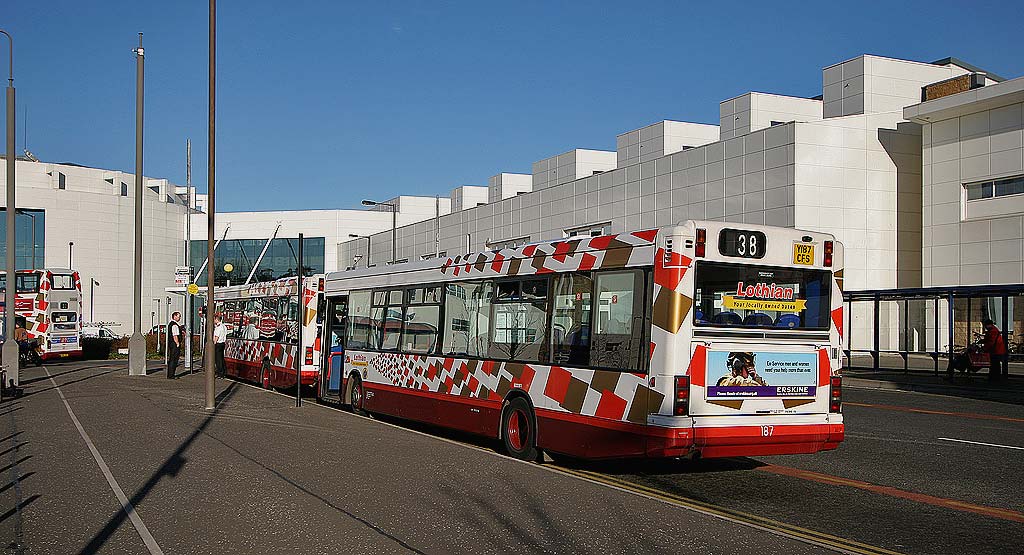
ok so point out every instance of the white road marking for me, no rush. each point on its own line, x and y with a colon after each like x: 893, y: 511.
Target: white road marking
x: 982, y: 443
x: 136, y: 520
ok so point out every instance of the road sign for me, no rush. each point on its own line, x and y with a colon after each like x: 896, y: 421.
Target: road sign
x: 193, y: 289
x: 182, y: 275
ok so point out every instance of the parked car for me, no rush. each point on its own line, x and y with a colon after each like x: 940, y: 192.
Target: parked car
x: 101, y: 332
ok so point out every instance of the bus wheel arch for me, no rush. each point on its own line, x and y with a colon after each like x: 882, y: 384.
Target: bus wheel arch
x: 517, y: 428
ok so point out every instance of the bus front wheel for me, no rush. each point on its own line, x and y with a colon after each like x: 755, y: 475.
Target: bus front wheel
x: 355, y: 394
x: 519, y: 430
x: 265, y: 375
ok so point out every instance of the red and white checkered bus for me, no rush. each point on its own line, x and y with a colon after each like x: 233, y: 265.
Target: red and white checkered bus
x: 263, y: 321
x: 50, y: 301
x: 702, y: 339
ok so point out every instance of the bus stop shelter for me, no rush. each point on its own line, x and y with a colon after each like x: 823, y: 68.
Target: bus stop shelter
x: 914, y: 325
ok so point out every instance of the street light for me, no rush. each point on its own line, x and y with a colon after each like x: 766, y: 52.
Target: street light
x: 10, y: 349
x: 354, y: 236
x: 92, y: 299
x: 394, y: 221
x: 228, y: 268
x: 71, y: 254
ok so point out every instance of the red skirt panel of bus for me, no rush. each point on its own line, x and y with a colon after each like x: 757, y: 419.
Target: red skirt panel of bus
x: 50, y: 355
x: 279, y: 377
x: 466, y: 414
x: 599, y: 438
x: 782, y: 439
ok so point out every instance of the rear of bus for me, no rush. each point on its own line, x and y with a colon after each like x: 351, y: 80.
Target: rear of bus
x: 751, y: 318
x: 61, y: 303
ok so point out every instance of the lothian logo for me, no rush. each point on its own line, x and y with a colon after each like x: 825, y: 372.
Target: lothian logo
x: 768, y: 291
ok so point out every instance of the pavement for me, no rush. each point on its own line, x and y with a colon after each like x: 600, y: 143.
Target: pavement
x: 918, y: 473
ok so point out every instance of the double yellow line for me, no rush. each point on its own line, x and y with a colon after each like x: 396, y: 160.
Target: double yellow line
x: 803, y: 534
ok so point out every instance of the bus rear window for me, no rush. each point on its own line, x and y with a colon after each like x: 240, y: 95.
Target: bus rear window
x: 62, y: 282
x: 748, y: 296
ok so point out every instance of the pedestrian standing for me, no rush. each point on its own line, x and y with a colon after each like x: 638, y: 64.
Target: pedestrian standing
x: 996, y: 349
x: 173, y: 344
x: 220, y: 338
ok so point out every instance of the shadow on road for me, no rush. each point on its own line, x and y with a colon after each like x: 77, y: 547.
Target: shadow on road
x: 170, y: 468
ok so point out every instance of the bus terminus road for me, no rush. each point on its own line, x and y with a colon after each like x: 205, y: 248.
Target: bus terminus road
x: 701, y: 339
x: 263, y: 321
x: 50, y: 301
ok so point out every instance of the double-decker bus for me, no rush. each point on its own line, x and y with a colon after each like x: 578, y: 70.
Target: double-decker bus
x: 701, y: 339
x: 50, y: 301
x: 263, y: 321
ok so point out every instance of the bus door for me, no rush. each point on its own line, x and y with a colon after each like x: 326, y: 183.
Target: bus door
x: 332, y: 369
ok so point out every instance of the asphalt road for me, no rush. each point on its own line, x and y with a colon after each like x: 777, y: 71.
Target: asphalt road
x: 260, y: 476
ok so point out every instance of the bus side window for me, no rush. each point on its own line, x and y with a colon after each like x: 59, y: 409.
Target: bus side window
x: 619, y: 307
x: 360, y: 328
x: 570, y: 321
x: 467, y: 313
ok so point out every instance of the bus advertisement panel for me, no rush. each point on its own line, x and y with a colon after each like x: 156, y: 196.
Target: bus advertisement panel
x: 761, y: 374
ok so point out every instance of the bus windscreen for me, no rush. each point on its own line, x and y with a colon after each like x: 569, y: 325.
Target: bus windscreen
x: 749, y: 296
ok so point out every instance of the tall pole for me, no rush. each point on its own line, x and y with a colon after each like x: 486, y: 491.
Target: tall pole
x: 71, y: 254
x: 10, y: 348
x: 300, y: 351
x: 137, y: 343
x: 33, y: 216
x: 394, y: 221
x: 211, y: 208
x: 188, y: 253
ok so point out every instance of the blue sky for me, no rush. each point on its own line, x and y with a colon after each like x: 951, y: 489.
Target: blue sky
x: 321, y: 103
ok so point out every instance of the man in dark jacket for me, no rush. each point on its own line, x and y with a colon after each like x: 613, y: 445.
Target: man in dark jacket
x: 173, y: 344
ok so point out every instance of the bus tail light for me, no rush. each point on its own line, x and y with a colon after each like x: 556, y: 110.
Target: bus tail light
x: 681, y: 404
x: 828, y: 254
x: 701, y: 245
x: 309, y: 355
x: 835, y: 401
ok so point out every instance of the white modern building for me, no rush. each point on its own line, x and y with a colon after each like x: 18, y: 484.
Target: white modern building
x: 973, y: 185
x: 846, y: 162
x: 84, y: 218
x: 268, y: 240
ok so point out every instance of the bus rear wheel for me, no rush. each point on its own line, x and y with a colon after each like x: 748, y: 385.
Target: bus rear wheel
x: 519, y: 430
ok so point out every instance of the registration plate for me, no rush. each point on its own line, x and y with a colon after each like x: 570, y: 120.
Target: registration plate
x: 803, y: 254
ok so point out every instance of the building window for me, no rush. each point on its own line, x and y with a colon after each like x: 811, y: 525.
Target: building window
x: 995, y: 188
x: 61, y: 181
x: 124, y: 189
x: 593, y: 230
x: 278, y: 262
x: 508, y: 243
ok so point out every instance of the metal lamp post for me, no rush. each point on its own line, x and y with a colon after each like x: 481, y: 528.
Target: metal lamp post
x: 10, y: 348
x: 367, y: 237
x: 394, y: 221
x: 92, y: 299
x: 71, y: 254
x: 137, y: 343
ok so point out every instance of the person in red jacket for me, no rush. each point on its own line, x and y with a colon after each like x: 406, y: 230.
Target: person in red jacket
x: 996, y: 349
